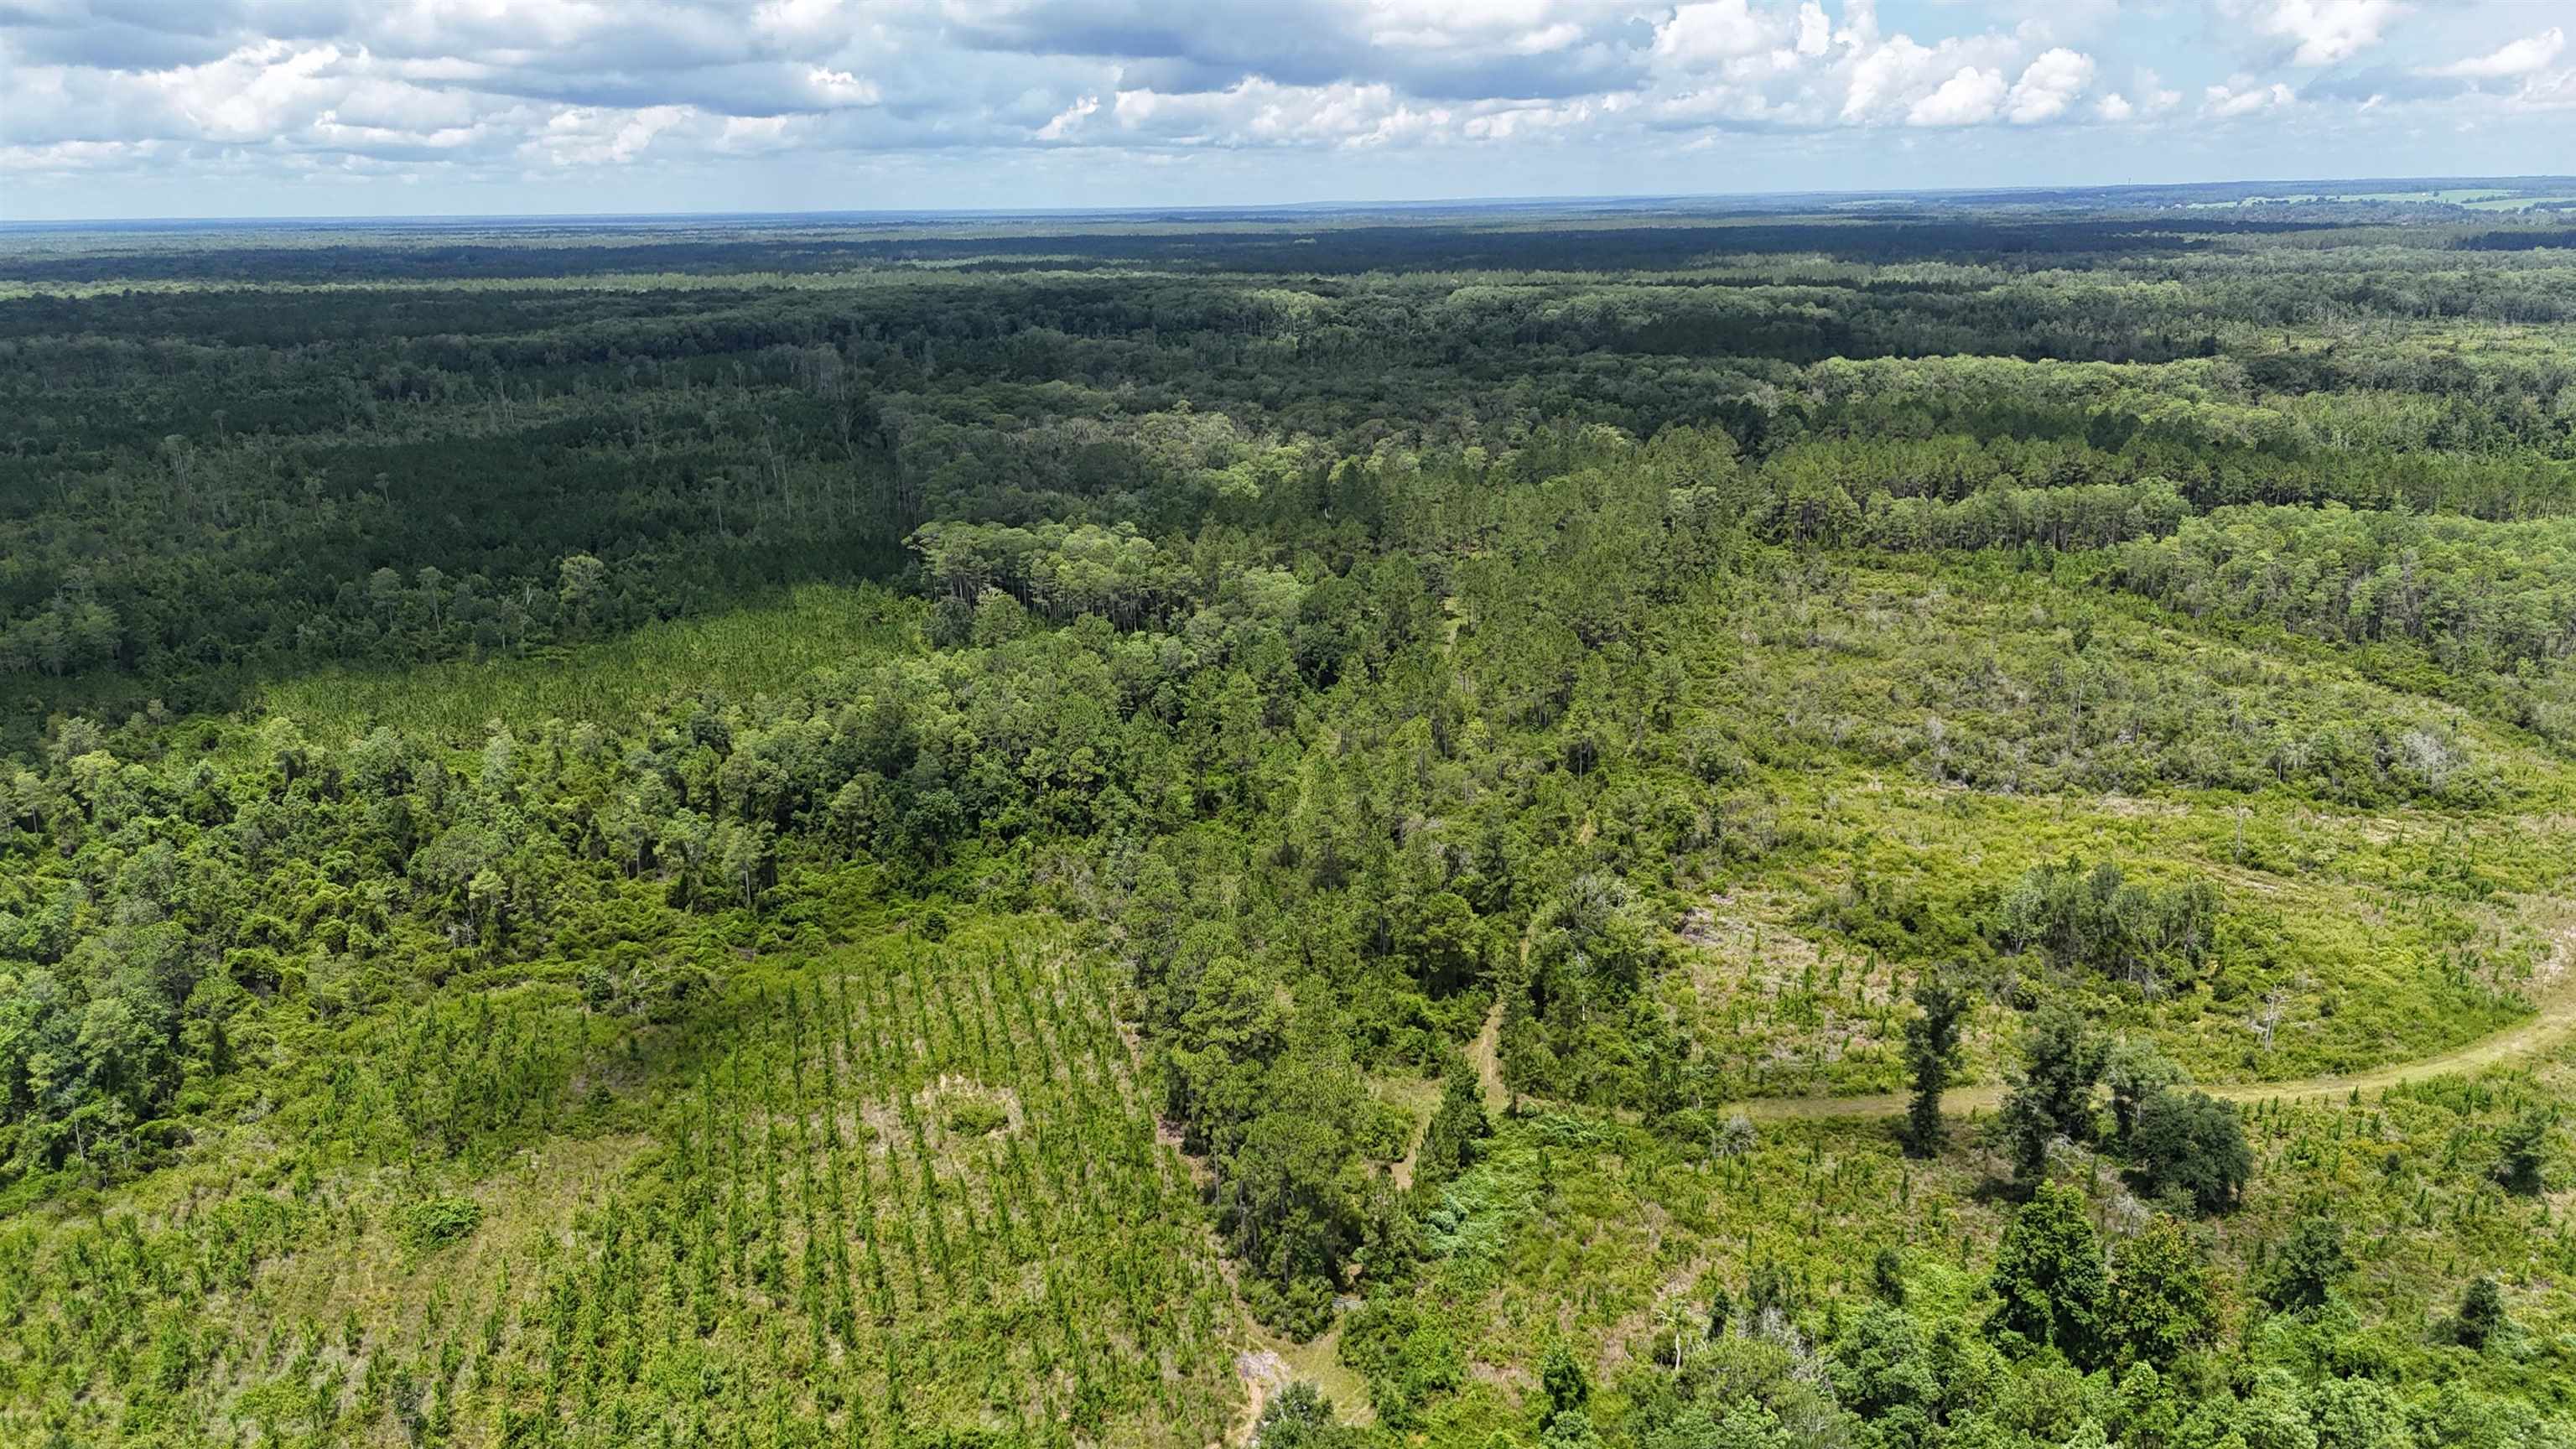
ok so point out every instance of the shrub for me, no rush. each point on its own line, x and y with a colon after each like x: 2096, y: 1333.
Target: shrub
x: 433, y: 1223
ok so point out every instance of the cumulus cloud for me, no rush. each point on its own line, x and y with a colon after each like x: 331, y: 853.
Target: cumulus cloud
x: 1967, y: 98
x: 2317, y: 32
x: 1718, y: 30
x: 2146, y: 96
x: 2048, y: 87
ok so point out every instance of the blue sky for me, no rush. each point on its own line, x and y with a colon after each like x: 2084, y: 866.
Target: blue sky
x: 151, y: 108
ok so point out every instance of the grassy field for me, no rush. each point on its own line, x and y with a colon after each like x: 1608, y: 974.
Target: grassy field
x: 767, y: 647
x: 1931, y: 740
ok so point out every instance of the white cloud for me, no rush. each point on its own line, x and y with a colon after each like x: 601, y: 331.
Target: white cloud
x: 2048, y: 86
x: 2514, y: 58
x: 2548, y: 92
x: 1067, y: 122
x: 2227, y: 101
x: 839, y: 87
x: 1895, y: 78
x: 2322, y: 32
x: 1264, y: 113
x: 587, y: 136
x: 1967, y: 98
x: 2146, y: 96
x: 1723, y: 29
x: 1814, y: 31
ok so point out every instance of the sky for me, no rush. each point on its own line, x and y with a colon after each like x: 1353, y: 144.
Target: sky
x: 281, y: 108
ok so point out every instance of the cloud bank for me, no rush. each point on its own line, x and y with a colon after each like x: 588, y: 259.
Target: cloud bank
x: 524, y: 97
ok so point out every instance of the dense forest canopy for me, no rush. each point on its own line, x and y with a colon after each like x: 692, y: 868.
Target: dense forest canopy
x: 1949, y: 823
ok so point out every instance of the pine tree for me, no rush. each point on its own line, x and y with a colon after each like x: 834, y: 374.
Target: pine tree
x: 1931, y: 1051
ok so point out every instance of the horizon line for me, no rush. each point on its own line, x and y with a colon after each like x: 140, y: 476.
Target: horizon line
x: 1266, y: 207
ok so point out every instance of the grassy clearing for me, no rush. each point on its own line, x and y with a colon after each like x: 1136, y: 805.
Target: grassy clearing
x: 768, y: 647
x: 1935, y: 740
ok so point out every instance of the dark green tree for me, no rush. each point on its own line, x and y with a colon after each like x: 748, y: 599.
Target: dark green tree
x: 2482, y: 1315
x: 2306, y: 1267
x: 1931, y: 1051
x: 2052, y: 1094
x: 1887, y: 1276
x: 1562, y: 1379
x: 1457, y: 1125
x: 2522, y: 1157
x: 2048, y: 1273
x: 1295, y: 1210
x: 1300, y: 1417
x: 2192, y: 1143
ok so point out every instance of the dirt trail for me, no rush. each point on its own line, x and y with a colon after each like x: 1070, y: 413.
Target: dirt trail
x: 2555, y: 1019
x: 1486, y: 1052
x: 1272, y: 1363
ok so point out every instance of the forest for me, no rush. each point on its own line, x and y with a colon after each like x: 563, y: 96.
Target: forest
x: 1948, y: 825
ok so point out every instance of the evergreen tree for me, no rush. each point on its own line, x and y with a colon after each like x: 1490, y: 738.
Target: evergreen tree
x: 2482, y: 1315
x: 2306, y: 1267
x: 2052, y: 1094
x: 1457, y: 1125
x: 2522, y: 1157
x: 2194, y: 1144
x: 1931, y: 1051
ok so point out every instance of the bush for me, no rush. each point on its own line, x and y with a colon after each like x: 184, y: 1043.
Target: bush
x: 977, y: 1116
x: 2523, y: 1159
x: 433, y: 1223
x: 2481, y: 1314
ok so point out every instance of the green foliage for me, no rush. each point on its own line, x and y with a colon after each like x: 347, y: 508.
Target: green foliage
x: 2049, y: 1275
x: 2192, y: 1144
x: 1457, y: 1125
x: 1290, y: 1202
x: 2482, y: 1317
x: 2307, y: 1266
x: 2136, y: 1072
x: 2522, y: 1151
x: 434, y: 1223
x: 2052, y: 1094
x: 1931, y: 1051
x: 1563, y: 1382
x: 2095, y: 919
x: 976, y: 1117
x: 2163, y: 1302
x: 1300, y: 1417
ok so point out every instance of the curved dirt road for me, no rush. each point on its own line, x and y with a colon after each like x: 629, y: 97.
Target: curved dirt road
x: 2555, y: 1019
